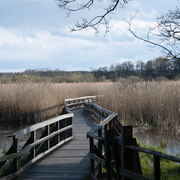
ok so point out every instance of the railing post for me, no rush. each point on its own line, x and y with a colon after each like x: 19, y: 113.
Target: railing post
x: 48, y: 133
x: 33, y: 139
x: 15, y: 150
x: 126, y: 155
x: 57, y: 128
x: 100, y: 149
x: 156, y: 168
x: 107, y: 152
x: 91, y: 144
x: 65, y: 125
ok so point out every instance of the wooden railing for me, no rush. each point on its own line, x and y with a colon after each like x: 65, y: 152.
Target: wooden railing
x: 42, y: 138
x: 98, y: 139
x: 113, y: 147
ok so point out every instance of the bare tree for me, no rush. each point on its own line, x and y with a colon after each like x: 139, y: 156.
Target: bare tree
x: 74, y: 5
x: 167, y: 31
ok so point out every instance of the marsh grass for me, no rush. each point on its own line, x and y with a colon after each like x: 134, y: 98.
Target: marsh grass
x: 157, y: 103
x: 169, y: 170
x: 30, y: 101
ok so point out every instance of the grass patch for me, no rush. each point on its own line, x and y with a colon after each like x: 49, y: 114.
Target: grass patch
x: 169, y: 169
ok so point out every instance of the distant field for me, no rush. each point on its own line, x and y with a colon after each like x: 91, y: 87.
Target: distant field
x: 152, y: 102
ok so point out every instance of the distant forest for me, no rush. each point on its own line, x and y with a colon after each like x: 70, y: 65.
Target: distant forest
x: 158, y: 69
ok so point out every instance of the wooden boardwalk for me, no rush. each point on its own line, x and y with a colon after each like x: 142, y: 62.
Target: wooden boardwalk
x: 69, y: 161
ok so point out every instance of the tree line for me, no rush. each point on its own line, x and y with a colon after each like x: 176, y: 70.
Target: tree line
x: 157, y: 69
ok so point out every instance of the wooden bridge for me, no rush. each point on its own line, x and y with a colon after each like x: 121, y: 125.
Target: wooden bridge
x: 70, y: 161
x: 59, y: 149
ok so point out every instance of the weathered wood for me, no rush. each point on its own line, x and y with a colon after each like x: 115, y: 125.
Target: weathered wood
x: 33, y: 139
x: 27, y: 148
x: 126, y: 155
x: 47, y: 141
x: 83, y: 98
x: 15, y: 150
x: 71, y: 161
x: 91, y: 146
x: 116, y: 154
x: 99, y: 108
x: 100, y: 125
x: 97, y: 159
x: 107, y: 153
x: 98, y: 151
x: 137, y: 165
x: 155, y: 153
x: 29, y: 129
x: 132, y: 175
x: 156, y: 168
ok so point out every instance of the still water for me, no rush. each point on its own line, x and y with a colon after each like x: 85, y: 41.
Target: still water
x: 155, y: 137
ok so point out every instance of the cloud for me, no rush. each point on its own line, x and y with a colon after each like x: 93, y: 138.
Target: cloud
x: 36, y: 34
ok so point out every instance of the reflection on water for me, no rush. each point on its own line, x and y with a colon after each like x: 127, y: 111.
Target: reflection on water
x: 151, y: 137
x: 155, y: 137
x: 6, y: 129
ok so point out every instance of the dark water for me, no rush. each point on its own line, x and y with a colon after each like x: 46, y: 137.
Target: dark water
x: 155, y: 137
x: 6, y: 129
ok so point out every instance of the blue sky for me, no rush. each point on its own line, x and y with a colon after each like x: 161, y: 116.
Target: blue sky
x: 35, y: 34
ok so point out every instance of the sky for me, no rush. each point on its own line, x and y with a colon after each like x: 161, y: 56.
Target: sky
x: 35, y: 34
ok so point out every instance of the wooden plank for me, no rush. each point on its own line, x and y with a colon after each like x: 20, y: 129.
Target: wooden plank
x: 86, y: 97
x: 100, y: 125
x: 29, y: 129
x: 96, y: 158
x: 27, y: 148
x: 156, y: 168
x: 155, y: 153
x: 71, y: 158
x: 96, y: 114
x: 107, y: 153
x: 132, y: 175
x: 100, y: 108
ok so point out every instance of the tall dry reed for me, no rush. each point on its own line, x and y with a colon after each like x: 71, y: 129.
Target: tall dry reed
x: 152, y: 102
x: 31, y: 101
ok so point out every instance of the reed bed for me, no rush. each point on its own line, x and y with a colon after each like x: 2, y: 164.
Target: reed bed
x: 32, y: 102
x: 155, y: 103
x: 152, y: 102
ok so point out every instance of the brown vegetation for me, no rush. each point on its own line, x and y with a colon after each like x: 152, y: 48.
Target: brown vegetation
x: 32, y: 101
x: 151, y: 102
x: 156, y: 103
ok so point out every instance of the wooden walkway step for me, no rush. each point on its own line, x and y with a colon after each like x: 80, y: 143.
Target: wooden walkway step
x: 69, y: 161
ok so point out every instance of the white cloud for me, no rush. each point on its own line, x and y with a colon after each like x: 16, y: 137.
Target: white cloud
x: 41, y: 38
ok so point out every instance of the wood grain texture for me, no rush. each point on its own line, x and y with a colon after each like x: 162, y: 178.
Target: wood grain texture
x: 69, y: 161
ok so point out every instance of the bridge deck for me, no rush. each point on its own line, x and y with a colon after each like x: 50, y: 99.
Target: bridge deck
x: 69, y: 161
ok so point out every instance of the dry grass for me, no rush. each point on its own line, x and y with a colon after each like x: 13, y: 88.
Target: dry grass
x: 38, y: 101
x: 152, y: 102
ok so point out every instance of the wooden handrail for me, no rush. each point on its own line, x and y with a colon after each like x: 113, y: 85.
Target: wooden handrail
x: 106, y: 119
x: 34, y: 127
x: 52, y: 137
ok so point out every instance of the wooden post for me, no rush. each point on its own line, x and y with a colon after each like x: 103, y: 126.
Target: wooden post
x: 116, y: 153
x: 107, y: 152
x: 65, y: 125
x: 126, y: 154
x: 33, y: 139
x: 91, y: 144
x: 100, y: 149
x: 48, y: 133
x: 156, y: 168
x: 57, y: 128
x: 15, y: 150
